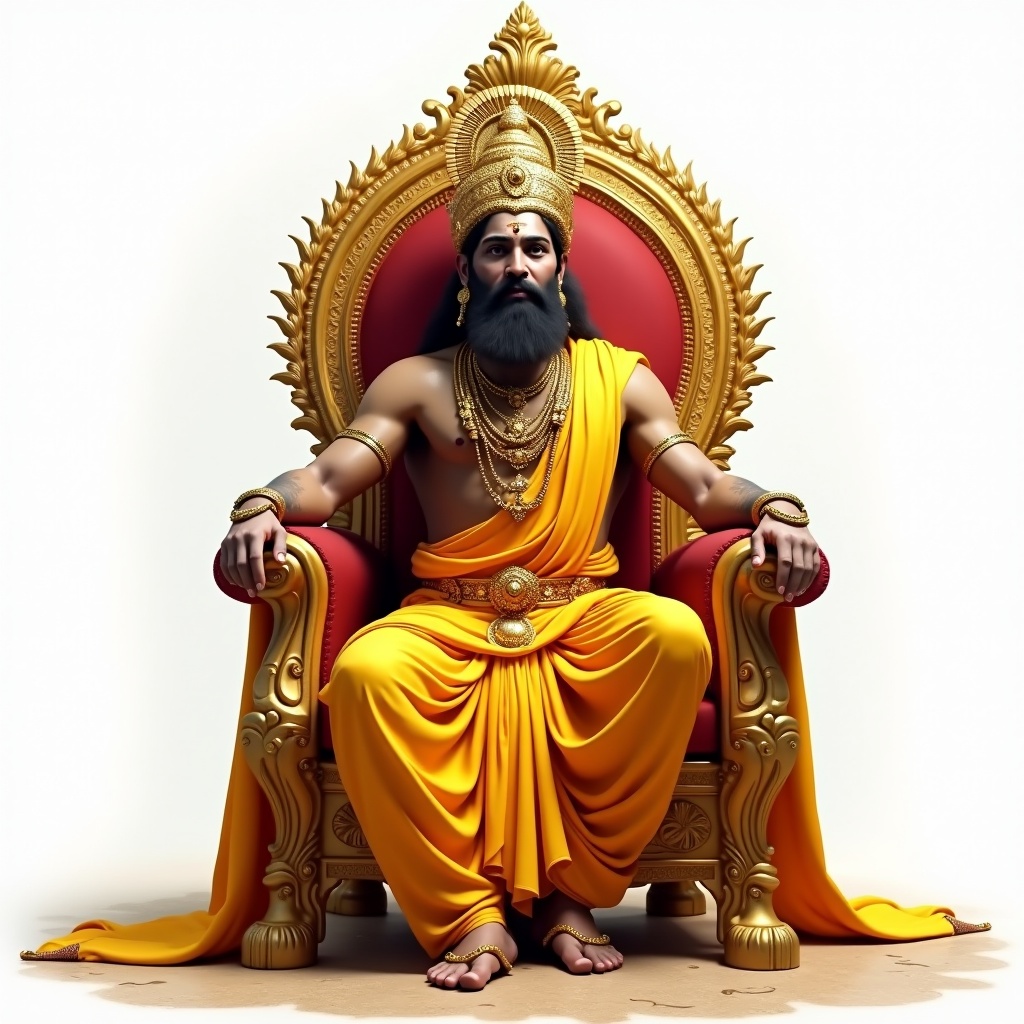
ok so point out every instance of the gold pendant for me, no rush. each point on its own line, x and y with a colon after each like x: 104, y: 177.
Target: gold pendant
x: 517, y: 399
x: 511, y: 632
x: 515, y: 426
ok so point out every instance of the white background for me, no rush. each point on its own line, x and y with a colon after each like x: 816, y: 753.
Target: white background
x: 156, y: 157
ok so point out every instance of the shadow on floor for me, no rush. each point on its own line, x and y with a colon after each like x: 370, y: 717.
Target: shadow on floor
x: 371, y: 967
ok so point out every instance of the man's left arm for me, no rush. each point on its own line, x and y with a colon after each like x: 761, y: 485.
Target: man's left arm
x: 715, y: 499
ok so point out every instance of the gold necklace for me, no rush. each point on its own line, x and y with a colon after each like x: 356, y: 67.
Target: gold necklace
x: 508, y: 495
x: 517, y: 424
x: 520, y: 433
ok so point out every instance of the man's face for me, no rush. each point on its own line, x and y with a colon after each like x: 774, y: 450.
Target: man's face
x: 514, y: 314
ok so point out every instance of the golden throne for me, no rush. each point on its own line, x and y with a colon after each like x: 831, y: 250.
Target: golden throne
x: 365, y: 284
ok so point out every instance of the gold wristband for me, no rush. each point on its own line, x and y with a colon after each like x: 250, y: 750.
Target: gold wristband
x: 276, y: 498
x: 670, y: 442
x: 239, y: 515
x: 371, y: 442
x: 803, y: 519
x: 760, y: 507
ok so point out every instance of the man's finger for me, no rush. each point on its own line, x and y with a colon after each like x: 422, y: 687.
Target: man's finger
x: 757, y: 548
x: 280, y: 542
x: 784, y: 546
x: 259, y: 577
x: 799, y: 573
x: 242, y: 566
x: 810, y: 565
x: 227, y: 562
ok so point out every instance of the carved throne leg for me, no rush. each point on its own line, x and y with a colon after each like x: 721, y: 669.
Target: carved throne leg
x: 358, y: 897
x: 676, y: 899
x: 759, y: 750
x: 276, y: 737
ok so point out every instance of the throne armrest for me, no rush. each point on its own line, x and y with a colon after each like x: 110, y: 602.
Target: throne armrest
x: 354, y: 576
x: 759, y: 739
x: 688, y: 574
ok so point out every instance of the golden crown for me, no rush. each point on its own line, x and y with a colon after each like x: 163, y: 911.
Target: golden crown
x: 514, y: 149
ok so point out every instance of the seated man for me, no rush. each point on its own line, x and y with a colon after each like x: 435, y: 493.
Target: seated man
x: 514, y: 730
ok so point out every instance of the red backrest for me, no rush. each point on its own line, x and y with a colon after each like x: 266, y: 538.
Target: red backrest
x: 630, y: 298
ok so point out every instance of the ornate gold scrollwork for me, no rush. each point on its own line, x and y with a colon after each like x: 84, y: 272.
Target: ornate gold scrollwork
x: 760, y: 743
x: 623, y: 172
x: 276, y: 738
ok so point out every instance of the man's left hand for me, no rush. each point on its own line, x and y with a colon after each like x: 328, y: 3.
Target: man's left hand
x: 799, y: 559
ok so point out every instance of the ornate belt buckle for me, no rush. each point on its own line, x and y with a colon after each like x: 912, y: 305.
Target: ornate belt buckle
x: 514, y: 593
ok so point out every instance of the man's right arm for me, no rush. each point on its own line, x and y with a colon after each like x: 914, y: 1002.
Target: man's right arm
x: 341, y: 472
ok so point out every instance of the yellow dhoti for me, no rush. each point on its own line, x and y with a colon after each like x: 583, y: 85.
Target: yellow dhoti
x: 475, y: 774
x: 478, y: 771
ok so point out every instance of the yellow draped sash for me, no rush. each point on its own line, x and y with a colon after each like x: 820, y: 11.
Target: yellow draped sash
x: 556, y: 539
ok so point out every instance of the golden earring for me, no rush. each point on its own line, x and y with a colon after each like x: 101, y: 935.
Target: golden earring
x: 561, y: 296
x: 463, y: 299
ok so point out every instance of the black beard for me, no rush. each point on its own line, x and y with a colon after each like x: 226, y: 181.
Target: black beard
x: 529, y: 330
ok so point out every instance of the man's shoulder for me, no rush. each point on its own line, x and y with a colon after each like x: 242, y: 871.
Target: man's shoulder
x: 423, y: 366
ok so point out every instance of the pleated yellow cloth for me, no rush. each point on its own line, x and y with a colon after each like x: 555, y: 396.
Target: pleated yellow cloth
x: 477, y: 771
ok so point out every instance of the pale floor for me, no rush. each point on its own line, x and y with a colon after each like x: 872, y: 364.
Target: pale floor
x: 371, y: 969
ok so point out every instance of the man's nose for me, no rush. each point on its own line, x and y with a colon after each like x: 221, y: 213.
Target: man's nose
x: 516, y: 265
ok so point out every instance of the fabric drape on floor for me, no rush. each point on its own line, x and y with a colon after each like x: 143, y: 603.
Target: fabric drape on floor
x: 553, y: 541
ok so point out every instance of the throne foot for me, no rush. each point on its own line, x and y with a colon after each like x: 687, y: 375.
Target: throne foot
x: 267, y: 945
x: 358, y: 897
x: 675, y: 899
x: 762, y: 947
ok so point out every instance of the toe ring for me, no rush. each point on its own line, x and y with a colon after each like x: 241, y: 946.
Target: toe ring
x: 587, y: 940
x: 465, y: 958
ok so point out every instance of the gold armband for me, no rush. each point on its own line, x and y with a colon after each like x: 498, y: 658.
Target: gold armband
x: 371, y: 442
x: 762, y: 508
x: 660, y: 449
x: 239, y: 515
x: 276, y: 498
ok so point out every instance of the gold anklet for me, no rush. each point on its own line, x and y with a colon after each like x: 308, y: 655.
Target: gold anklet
x: 587, y: 940
x: 465, y: 958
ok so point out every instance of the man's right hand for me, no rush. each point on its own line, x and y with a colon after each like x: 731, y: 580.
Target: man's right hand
x: 241, y: 551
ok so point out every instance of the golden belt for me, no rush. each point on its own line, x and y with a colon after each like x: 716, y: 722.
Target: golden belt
x: 514, y: 593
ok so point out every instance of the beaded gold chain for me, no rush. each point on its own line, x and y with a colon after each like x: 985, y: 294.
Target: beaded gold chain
x: 539, y: 432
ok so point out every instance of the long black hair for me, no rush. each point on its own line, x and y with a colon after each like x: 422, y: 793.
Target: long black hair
x: 441, y: 331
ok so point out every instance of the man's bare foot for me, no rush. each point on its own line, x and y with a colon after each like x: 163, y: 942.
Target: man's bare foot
x: 478, y: 972
x: 578, y: 957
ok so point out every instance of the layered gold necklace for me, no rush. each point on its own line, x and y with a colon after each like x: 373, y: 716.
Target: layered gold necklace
x: 521, y: 439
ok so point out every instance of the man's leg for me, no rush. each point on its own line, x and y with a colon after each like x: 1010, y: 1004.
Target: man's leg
x: 631, y: 676
x: 408, y: 735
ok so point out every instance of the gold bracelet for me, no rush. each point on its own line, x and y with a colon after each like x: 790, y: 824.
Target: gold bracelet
x: 671, y: 441
x: 275, y: 497
x: 787, y: 517
x: 239, y: 515
x: 371, y: 442
x: 758, y: 509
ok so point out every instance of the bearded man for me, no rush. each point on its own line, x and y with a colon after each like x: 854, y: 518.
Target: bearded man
x: 526, y: 757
